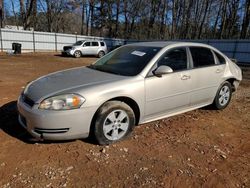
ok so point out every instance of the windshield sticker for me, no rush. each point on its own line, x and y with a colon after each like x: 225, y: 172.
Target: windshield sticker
x: 138, y: 53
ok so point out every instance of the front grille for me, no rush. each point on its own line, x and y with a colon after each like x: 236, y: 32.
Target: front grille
x: 51, y: 131
x: 65, y: 48
x: 28, y: 101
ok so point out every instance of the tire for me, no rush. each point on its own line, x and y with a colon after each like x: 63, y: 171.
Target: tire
x: 77, y: 54
x: 223, y: 96
x: 115, y: 120
x: 101, y: 54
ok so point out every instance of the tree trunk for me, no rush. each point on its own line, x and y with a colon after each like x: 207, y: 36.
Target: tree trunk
x: 1, y: 13
x: 245, y: 23
x: 163, y: 16
x: 34, y: 14
x: 203, y: 19
x: 117, y: 18
x: 14, y: 13
x: 49, y: 16
x: 223, y: 24
x: 174, y: 15
x: 125, y: 31
x: 87, y: 19
x: 83, y: 17
x: 154, y: 8
x: 187, y: 19
x: 91, y: 16
x: 217, y: 19
x: 110, y: 19
x: 22, y: 11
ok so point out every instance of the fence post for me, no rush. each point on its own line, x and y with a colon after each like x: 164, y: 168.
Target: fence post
x: 55, y: 42
x: 235, y: 48
x: 1, y: 39
x: 34, y: 45
x: 76, y: 37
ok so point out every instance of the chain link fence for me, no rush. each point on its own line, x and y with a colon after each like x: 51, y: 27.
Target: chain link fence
x: 33, y: 41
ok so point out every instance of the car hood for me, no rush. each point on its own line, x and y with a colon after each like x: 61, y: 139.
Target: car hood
x: 62, y: 81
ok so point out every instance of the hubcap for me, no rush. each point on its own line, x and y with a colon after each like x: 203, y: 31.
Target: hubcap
x: 224, y: 95
x: 77, y: 54
x: 101, y: 54
x: 116, y: 125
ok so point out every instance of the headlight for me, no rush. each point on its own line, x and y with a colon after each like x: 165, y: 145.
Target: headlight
x: 62, y: 102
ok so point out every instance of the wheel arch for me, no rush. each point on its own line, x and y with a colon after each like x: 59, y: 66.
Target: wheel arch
x: 101, y: 50
x: 232, y: 82
x: 129, y: 101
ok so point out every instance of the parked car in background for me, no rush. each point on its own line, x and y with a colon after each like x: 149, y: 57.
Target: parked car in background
x: 81, y: 48
x: 134, y: 84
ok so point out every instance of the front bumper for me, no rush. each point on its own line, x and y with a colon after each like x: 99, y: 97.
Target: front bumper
x: 68, y: 52
x: 55, y: 125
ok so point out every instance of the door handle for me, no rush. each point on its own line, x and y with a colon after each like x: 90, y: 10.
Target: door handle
x: 185, y: 77
x: 218, y: 70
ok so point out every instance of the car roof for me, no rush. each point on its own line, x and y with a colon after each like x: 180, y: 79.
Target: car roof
x: 163, y: 44
x: 93, y: 40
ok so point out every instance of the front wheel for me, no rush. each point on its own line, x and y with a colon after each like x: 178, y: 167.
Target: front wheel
x: 223, y: 96
x: 115, y: 120
x: 77, y: 54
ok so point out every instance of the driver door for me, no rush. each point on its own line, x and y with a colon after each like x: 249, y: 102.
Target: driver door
x: 169, y: 93
x: 86, y: 48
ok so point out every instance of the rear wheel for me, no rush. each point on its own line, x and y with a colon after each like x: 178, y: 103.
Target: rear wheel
x: 115, y: 121
x: 77, y: 54
x: 101, y: 54
x: 223, y: 96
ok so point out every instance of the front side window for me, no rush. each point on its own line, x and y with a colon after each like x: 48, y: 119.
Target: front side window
x: 95, y: 44
x: 202, y: 57
x: 87, y: 44
x: 78, y: 43
x: 127, y: 61
x: 175, y: 59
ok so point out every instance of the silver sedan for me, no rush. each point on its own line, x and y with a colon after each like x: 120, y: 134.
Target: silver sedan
x: 131, y: 85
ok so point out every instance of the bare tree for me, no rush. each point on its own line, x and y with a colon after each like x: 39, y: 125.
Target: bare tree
x: 136, y: 19
x: 1, y: 12
x: 26, y: 12
x: 246, y: 20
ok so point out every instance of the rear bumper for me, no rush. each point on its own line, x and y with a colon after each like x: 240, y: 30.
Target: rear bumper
x: 55, y: 125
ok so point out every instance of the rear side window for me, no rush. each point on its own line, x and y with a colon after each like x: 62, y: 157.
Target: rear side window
x: 220, y: 58
x: 202, y: 57
x: 95, y: 44
x: 102, y: 44
x: 176, y: 59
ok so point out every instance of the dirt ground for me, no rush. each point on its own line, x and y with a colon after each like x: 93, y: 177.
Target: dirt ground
x: 202, y: 148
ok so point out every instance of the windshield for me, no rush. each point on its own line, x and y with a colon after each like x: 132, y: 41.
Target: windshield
x: 78, y: 43
x: 127, y: 61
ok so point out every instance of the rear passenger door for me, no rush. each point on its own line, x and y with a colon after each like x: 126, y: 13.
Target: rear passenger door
x: 206, y: 75
x: 94, y: 48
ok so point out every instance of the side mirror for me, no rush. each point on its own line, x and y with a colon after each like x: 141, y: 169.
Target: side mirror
x: 163, y: 69
x: 234, y: 60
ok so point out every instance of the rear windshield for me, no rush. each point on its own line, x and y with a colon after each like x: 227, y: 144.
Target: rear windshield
x: 127, y: 60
